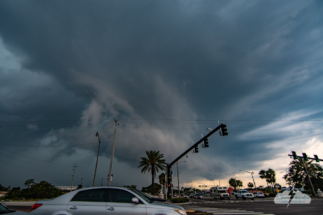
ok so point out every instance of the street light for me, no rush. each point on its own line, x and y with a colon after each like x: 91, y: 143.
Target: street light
x: 179, y: 191
x: 252, y: 179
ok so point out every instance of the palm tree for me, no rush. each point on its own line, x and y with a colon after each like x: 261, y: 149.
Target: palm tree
x: 297, y: 176
x: 152, y: 163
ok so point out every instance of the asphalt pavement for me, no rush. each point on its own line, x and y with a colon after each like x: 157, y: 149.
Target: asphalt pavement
x: 211, y: 206
x: 257, y: 206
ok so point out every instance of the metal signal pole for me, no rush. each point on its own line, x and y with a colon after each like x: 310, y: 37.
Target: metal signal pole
x: 112, y: 155
x: 97, y: 158
x: 309, y: 177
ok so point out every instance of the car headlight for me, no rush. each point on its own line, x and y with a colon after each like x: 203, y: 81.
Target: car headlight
x: 180, y: 211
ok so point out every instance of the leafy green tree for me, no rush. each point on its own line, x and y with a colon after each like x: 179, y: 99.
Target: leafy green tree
x: 297, y: 176
x: 29, y: 182
x: 80, y: 186
x: 239, y: 183
x: 250, y: 185
x: 153, y: 163
x: 2, y: 188
x: 162, y: 180
x: 148, y: 189
x: 233, y: 183
x: 41, y: 190
x: 269, y: 176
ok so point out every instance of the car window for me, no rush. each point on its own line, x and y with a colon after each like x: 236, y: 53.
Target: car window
x: 121, y: 196
x: 94, y: 195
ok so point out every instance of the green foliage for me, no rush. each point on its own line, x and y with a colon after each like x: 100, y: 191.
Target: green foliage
x: 41, y: 190
x: 2, y: 188
x: 153, y: 163
x: 148, y: 189
x: 250, y: 185
x: 80, y: 186
x: 297, y: 176
x: 235, y: 183
x: 178, y: 200
x: 29, y: 182
x: 269, y: 176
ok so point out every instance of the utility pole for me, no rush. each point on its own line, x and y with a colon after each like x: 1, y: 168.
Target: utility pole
x: 73, y: 176
x: 97, y: 158
x: 179, y: 192
x: 82, y: 182
x: 112, y: 155
x: 102, y: 182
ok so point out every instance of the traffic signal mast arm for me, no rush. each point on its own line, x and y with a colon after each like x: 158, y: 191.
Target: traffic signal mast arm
x: 305, y: 157
x: 196, y: 144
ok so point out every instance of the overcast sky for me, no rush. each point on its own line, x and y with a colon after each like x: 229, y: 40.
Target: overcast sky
x: 167, y: 70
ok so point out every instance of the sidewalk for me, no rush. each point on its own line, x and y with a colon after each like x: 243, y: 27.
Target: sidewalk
x: 19, y: 203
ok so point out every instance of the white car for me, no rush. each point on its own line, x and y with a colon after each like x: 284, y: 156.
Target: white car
x: 244, y: 194
x: 105, y: 200
x: 259, y: 195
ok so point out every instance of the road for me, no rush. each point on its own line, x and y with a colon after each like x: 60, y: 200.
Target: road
x: 258, y: 206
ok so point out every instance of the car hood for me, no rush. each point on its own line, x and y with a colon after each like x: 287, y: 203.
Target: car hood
x: 164, y: 205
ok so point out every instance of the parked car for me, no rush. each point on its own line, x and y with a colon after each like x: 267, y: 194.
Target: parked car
x: 192, y: 195
x: 198, y: 196
x: 259, y: 195
x: 4, y: 210
x: 244, y: 194
x: 99, y: 200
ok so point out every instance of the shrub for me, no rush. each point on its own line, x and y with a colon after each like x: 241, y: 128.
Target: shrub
x: 178, y: 200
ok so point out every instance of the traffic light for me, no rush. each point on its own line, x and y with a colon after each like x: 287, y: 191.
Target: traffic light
x: 224, y: 130
x: 169, y: 177
x: 316, y: 158
x: 305, y: 156
x: 206, y: 143
x: 294, y: 155
x: 196, y: 150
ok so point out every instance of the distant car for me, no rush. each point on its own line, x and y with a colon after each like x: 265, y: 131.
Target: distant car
x: 244, y: 194
x: 104, y: 200
x: 198, y: 196
x: 259, y: 195
x: 5, y: 210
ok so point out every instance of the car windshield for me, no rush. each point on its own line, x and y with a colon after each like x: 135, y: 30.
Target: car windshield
x: 222, y: 191
x: 244, y: 191
x: 142, y: 195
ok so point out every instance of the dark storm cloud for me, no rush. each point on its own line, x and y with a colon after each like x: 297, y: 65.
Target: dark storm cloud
x: 247, y: 63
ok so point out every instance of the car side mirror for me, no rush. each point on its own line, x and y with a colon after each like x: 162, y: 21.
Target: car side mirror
x: 135, y: 200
